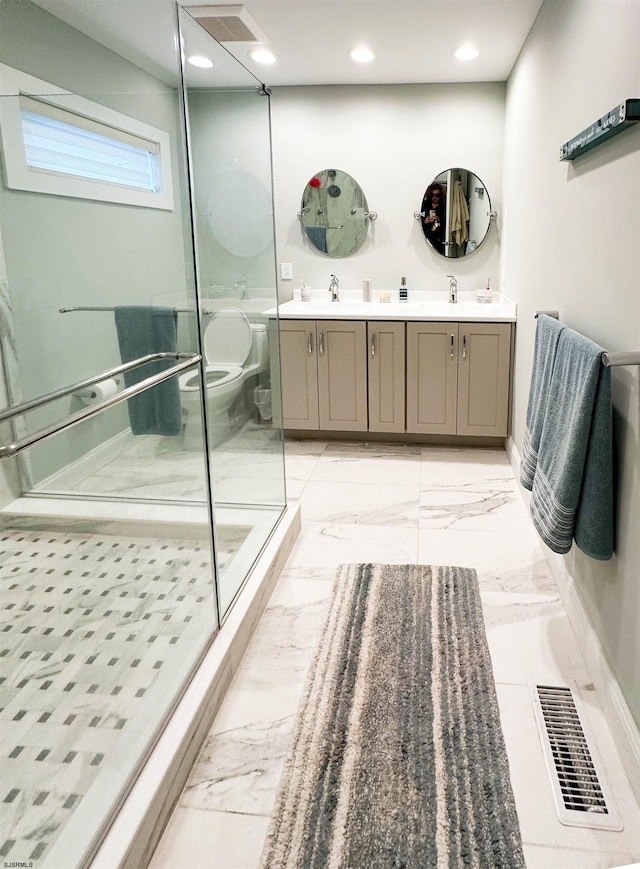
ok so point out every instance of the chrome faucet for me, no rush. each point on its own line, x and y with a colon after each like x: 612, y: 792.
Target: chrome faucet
x: 333, y: 289
x: 241, y: 287
x: 453, y: 289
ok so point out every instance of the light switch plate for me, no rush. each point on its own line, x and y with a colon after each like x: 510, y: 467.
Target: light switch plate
x: 286, y: 271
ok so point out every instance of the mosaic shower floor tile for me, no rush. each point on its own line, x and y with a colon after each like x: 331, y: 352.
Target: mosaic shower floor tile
x: 90, y: 624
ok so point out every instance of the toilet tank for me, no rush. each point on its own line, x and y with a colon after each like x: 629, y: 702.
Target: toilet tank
x: 259, y: 356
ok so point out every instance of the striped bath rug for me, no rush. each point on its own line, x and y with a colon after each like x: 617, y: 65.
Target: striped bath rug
x: 397, y: 756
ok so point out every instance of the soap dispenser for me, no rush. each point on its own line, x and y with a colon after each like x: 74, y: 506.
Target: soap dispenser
x: 403, y: 292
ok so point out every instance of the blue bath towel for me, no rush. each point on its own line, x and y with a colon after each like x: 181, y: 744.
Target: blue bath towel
x: 141, y: 330
x: 572, y: 493
x: 544, y: 356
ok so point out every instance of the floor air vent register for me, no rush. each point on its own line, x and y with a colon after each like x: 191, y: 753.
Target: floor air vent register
x: 580, y: 790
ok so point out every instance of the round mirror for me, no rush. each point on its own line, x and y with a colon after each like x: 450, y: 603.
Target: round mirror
x: 239, y: 213
x: 455, y: 213
x: 334, y: 213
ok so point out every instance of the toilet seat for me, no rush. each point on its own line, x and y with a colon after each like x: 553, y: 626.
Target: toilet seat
x: 217, y: 376
x: 226, y: 344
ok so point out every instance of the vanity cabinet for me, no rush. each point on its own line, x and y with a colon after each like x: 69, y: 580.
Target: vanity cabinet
x: 386, y: 375
x: 299, y: 374
x: 324, y: 374
x: 432, y: 378
x: 458, y: 378
x: 484, y: 375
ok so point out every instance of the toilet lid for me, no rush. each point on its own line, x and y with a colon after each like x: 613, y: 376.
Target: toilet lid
x: 227, y: 338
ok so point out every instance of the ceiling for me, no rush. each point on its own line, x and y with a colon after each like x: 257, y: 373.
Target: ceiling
x: 412, y: 40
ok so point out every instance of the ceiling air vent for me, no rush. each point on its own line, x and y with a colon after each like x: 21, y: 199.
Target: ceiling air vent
x: 227, y: 23
x: 581, y: 793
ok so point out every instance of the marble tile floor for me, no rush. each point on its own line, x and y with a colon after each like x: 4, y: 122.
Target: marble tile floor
x: 398, y: 504
x: 246, y: 469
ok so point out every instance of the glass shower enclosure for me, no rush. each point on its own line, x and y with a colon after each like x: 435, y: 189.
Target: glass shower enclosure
x: 142, y: 467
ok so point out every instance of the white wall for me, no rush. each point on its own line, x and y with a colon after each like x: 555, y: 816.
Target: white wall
x: 572, y: 243
x: 393, y: 139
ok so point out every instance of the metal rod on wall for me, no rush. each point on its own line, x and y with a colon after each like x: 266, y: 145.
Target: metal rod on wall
x: 631, y: 357
x: 98, y: 308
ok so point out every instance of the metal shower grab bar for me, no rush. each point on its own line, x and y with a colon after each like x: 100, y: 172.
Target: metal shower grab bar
x: 8, y: 450
x: 25, y: 407
x: 99, y: 308
x: 631, y: 357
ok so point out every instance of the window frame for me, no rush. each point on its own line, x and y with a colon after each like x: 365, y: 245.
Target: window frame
x: 20, y: 176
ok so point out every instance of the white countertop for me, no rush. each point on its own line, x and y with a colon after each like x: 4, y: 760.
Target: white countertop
x: 422, y: 305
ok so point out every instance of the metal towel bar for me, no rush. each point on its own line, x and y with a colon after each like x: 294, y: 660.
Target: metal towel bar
x: 632, y: 357
x: 554, y: 314
x: 99, y: 308
x: 190, y: 361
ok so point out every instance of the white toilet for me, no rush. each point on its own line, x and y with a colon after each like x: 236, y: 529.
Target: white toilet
x: 234, y: 349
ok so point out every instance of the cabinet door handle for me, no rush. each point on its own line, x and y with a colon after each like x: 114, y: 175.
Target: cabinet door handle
x: 373, y: 345
x: 321, y: 343
x: 464, y: 346
x: 452, y: 339
x: 310, y: 343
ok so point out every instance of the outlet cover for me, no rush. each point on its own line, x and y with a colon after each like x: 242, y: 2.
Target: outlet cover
x: 286, y: 271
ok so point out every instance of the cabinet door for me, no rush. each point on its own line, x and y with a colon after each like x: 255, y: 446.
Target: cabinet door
x: 342, y: 375
x: 483, y: 379
x: 299, y: 374
x: 386, y: 376
x: 432, y: 377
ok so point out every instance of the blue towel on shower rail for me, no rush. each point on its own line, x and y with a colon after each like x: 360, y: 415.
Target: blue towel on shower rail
x: 144, y: 329
x: 572, y: 492
x: 548, y: 332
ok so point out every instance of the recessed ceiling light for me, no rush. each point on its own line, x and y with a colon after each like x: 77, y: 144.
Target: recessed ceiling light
x: 466, y: 52
x: 262, y: 55
x: 202, y: 62
x: 362, y: 55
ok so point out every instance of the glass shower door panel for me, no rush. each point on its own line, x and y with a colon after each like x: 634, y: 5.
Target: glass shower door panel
x: 230, y: 156
x: 106, y: 610
x: 107, y: 570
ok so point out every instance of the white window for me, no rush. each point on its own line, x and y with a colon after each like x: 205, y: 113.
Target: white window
x: 66, y: 145
x: 56, y: 140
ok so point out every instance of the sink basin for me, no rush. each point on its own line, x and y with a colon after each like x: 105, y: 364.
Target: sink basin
x: 467, y: 309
